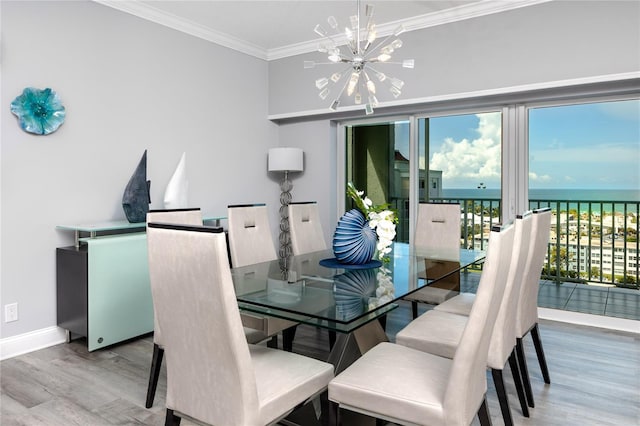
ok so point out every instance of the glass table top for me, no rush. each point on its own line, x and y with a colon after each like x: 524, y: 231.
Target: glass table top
x: 343, y: 299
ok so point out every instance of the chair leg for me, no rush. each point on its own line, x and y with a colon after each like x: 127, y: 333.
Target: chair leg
x: 498, y: 381
x: 522, y: 362
x: 414, y: 309
x: 517, y: 380
x: 287, y: 338
x: 273, y: 342
x: 334, y: 420
x: 483, y: 413
x: 535, y: 334
x: 171, y: 419
x: 156, y: 363
x: 332, y: 339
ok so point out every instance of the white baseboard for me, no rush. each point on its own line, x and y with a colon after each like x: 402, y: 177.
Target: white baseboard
x: 31, y: 341
x: 600, y: 321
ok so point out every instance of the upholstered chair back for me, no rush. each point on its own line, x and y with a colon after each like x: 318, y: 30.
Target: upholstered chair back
x: 305, y: 228
x: 250, y: 239
x: 468, y: 380
x: 503, y: 338
x: 189, y: 216
x: 527, y: 315
x: 210, y: 375
x: 438, y: 224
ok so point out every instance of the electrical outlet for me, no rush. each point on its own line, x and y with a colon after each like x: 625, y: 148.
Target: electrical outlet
x: 11, y: 312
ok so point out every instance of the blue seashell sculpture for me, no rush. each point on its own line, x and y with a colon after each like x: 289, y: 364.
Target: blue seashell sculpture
x: 137, y: 197
x: 354, y: 242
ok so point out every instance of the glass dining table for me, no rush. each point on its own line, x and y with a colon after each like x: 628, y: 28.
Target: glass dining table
x: 349, y: 300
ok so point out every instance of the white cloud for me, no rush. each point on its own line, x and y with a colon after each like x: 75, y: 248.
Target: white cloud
x: 542, y: 178
x: 478, y: 159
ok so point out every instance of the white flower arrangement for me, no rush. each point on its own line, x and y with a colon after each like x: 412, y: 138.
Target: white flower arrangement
x: 384, y: 291
x: 381, y: 219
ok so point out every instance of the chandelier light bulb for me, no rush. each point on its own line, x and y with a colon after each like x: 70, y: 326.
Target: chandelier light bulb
x: 324, y: 93
x: 355, y: 21
x: 371, y: 37
x: 357, y: 98
x: 397, y: 83
x: 381, y: 76
x: 322, y: 82
x: 373, y: 100
x: 408, y: 63
x: 384, y: 57
x: 348, y: 33
x: 320, y: 31
x: 336, y: 76
x: 371, y: 87
x: 353, y: 82
x: 368, y: 109
x: 395, y: 91
x: 332, y: 22
x: 396, y: 44
x: 369, y: 11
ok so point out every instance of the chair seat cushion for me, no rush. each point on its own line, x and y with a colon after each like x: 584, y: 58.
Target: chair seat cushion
x: 431, y: 295
x: 407, y: 385
x: 436, y: 332
x: 280, y: 389
x: 461, y: 304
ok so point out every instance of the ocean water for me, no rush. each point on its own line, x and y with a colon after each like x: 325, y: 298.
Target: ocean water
x: 552, y: 194
x: 585, y: 198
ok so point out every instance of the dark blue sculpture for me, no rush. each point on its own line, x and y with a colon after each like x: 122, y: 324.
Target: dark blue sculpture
x: 137, y: 196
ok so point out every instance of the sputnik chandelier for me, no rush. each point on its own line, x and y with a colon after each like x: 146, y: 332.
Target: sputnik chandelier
x: 359, y: 53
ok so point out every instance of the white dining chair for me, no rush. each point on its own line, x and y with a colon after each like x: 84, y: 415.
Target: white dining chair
x: 218, y: 378
x: 412, y: 387
x: 527, y: 306
x: 437, y: 225
x: 185, y: 216
x: 250, y: 242
x: 439, y: 331
x: 527, y: 318
x: 305, y: 228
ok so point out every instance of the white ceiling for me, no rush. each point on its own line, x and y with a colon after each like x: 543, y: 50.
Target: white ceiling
x: 276, y: 29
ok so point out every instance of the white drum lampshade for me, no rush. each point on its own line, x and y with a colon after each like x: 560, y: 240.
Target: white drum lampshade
x: 285, y: 160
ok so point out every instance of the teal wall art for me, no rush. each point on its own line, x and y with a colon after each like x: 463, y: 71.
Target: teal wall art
x: 39, y: 111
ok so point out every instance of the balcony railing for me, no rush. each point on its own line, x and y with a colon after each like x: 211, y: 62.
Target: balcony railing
x: 590, y: 241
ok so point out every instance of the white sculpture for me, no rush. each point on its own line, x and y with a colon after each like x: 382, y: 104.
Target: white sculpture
x: 176, y: 194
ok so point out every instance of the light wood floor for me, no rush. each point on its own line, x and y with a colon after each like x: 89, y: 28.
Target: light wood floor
x: 595, y: 377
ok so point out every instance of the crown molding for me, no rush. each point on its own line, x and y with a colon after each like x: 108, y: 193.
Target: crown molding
x: 460, y: 13
x: 186, y: 26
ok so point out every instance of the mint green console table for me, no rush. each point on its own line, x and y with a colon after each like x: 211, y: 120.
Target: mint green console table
x: 103, y: 290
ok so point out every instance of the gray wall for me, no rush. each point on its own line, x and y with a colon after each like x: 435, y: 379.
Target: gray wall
x: 548, y: 42
x: 128, y: 85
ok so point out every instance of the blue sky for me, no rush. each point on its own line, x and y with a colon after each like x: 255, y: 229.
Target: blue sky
x: 589, y: 146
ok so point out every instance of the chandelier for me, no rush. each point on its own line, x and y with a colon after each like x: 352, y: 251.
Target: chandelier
x: 359, y: 51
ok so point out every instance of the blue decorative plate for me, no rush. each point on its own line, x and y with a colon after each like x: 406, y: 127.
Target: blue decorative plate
x: 336, y: 264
